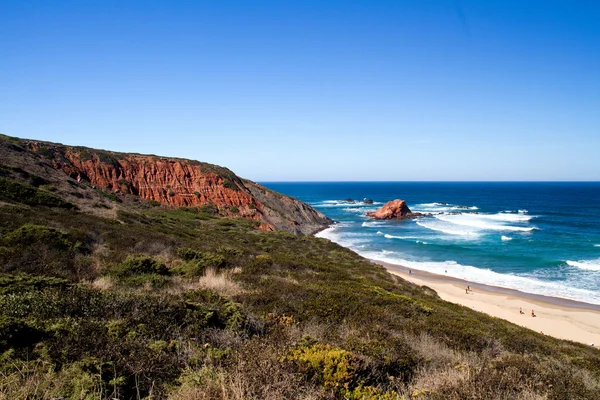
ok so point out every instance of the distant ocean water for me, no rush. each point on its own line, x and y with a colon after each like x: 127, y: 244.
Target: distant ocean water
x: 540, y: 238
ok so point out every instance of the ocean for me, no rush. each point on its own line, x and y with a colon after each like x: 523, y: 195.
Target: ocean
x: 539, y: 238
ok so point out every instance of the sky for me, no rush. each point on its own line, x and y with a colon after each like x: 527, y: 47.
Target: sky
x: 314, y: 90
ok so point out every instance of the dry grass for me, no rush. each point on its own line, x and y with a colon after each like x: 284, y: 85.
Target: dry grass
x: 444, y: 368
x: 220, y: 281
x: 262, y: 378
x: 38, y: 381
x: 103, y: 283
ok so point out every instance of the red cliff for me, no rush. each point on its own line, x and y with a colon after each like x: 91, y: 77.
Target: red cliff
x: 178, y: 182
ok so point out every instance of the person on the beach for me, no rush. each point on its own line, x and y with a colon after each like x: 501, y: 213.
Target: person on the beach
x: 532, y: 313
x: 410, y: 271
x: 521, y: 310
x: 466, y: 291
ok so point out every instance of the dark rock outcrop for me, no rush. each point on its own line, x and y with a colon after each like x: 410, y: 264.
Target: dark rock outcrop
x: 368, y: 201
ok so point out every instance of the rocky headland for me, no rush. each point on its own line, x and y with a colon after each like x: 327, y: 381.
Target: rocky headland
x: 87, y: 176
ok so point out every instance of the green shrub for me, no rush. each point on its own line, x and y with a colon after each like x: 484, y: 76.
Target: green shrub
x: 111, y: 196
x: 154, y: 203
x: 139, y: 265
x: 30, y: 195
x: 209, y: 209
x: 10, y: 283
x: 30, y: 234
x: 196, y: 262
x: 330, y: 366
x: 234, y: 210
x: 228, y: 183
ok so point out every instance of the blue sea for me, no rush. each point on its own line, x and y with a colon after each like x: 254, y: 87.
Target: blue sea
x: 539, y: 238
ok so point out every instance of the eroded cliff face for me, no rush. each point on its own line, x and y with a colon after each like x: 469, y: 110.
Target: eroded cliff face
x: 178, y: 182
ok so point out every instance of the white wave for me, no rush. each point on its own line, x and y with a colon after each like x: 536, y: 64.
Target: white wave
x: 351, y: 240
x: 342, y: 203
x: 597, y: 245
x: 421, y: 242
x: 523, y: 211
x: 379, y: 233
x: 440, y: 207
x: 372, y: 224
x: 354, y: 209
x: 327, y: 233
x: 388, y: 236
x: 590, y: 265
x: 506, y: 238
x: 478, y: 221
x: 469, y: 273
x: 503, y: 216
x: 440, y: 226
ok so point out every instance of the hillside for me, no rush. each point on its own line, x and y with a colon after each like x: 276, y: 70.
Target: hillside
x: 104, y: 295
x: 84, y: 176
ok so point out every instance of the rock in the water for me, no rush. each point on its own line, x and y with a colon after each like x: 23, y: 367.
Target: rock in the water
x: 395, y: 209
x: 368, y: 201
x: 349, y: 200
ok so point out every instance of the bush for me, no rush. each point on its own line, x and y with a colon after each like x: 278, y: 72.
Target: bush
x: 111, y: 196
x: 228, y: 183
x: 30, y: 195
x: 196, y: 262
x: 139, y: 265
x: 325, y: 364
x: 30, y: 234
x: 10, y: 283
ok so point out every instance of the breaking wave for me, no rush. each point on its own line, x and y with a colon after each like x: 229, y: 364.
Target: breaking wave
x: 480, y: 221
x: 447, y: 228
x: 589, y: 265
x: 372, y: 224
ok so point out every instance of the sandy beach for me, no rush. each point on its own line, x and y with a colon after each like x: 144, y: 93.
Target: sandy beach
x: 564, y: 319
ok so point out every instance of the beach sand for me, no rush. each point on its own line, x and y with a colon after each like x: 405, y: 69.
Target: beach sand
x: 564, y: 319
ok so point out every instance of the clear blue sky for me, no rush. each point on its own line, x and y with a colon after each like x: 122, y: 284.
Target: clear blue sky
x: 314, y: 90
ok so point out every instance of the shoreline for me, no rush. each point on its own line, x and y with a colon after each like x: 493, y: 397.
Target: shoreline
x: 557, y: 317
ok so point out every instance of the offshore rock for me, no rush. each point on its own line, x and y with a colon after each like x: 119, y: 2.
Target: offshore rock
x: 395, y: 209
